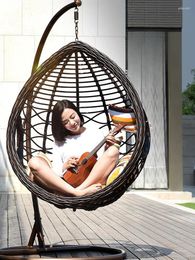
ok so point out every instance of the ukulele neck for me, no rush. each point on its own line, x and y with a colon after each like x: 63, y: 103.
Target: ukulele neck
x: 96, y: 149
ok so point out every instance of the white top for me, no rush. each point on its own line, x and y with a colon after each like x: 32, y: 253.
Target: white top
x: 75, y: 145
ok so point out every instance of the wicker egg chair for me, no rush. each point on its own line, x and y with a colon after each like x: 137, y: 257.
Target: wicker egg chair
x: 92, y: 81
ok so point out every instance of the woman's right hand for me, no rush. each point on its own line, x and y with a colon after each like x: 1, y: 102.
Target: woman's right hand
x: 71, y: 162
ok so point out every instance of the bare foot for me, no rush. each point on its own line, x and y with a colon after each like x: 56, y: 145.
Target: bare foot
x: 89, y: 190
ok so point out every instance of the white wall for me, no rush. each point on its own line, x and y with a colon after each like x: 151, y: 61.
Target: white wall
x: 146, y: 51
x: 102, y: 25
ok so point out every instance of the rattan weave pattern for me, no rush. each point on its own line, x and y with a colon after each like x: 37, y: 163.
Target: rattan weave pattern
x: 92, y: 81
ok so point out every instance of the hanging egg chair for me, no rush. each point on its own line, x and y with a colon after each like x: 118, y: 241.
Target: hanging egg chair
x: 94, y: 83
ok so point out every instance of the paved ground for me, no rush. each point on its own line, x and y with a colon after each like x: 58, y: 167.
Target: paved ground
x: 144, y: 228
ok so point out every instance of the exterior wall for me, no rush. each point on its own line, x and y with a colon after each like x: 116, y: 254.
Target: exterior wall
x: 154, y: 14
x: 146, y: 70
x: 101, y: 24
x: 145, y: 16
x: 175, y: 162
x: 189, y: 150
x: 154, y: 68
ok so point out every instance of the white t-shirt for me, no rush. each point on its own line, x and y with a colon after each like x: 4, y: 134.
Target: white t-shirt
x: 75, y: 145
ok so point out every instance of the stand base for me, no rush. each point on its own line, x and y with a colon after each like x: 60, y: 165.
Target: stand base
x: 92, y: 252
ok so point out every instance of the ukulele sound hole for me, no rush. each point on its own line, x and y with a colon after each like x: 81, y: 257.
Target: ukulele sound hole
x: 74, y: 170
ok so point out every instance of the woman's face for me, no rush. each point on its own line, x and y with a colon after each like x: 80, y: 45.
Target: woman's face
x: 71, y: 120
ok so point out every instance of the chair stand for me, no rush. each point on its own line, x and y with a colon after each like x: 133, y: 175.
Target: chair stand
x: 23, y: 252
x: 37, y: 228
x: 93, y: 65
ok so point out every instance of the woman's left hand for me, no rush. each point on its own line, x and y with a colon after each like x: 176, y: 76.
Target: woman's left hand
x: 110, y: 139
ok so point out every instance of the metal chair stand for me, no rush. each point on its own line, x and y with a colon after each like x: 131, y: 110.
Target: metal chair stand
x: 31, y: 251
x: 23, y: 252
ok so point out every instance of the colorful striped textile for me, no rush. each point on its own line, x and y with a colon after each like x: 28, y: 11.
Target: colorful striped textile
x: 124, y: 116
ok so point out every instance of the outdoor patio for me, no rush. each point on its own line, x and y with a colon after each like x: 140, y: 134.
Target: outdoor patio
x: 144, y: 228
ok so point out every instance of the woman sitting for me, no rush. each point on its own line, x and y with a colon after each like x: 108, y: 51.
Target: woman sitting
x: 71, y: 140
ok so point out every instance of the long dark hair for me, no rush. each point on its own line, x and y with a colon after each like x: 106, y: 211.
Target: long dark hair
x: 58, y: 130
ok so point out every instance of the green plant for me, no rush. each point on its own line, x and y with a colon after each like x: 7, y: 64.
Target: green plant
x: 188, y: 98
x: 190, y: 205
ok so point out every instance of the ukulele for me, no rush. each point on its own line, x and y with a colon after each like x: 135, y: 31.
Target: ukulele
x: 76, y: 175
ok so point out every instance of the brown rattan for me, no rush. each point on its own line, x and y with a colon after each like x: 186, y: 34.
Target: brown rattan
x: 92, y: 81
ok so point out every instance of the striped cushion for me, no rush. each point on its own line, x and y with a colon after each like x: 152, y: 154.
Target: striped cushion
x: 123, y: 116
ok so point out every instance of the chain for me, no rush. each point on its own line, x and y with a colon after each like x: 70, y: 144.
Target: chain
x: 76, y: 20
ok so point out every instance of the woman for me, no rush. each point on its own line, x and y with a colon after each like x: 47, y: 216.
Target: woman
x: 72, y: 139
